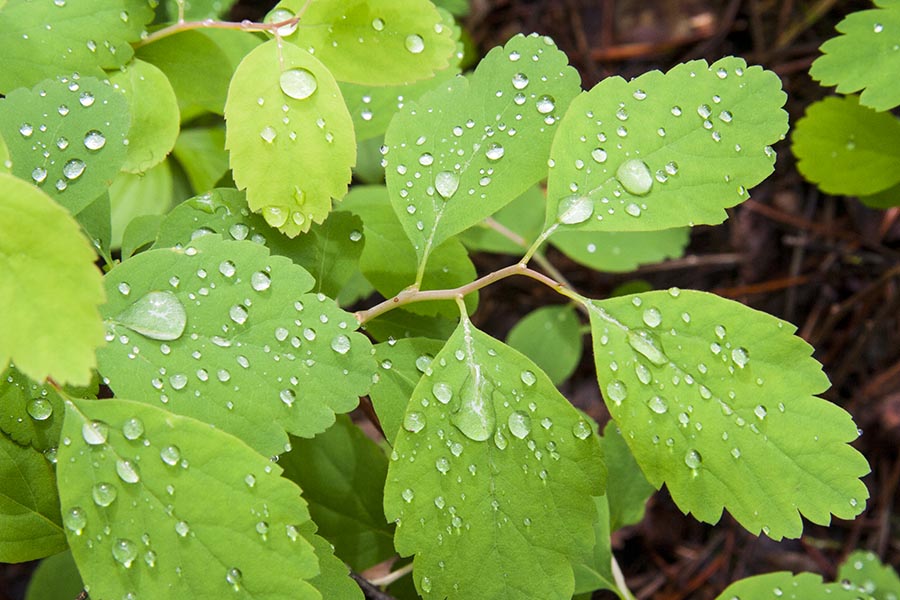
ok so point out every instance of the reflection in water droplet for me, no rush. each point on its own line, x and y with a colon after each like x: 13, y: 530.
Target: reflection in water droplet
x: 528, y: 378
x: 658, y: 405
x: 75, y: 520
x: 616, y: 391
x: 599, y: 155
x: 260, y: 281
x: 581, y: 429
x: 740, y: 356
x: 73, y: 169
x: 170, y: 455
x: 494, y: 152
x: 156, y: 315
x: 414, y: 422
x: 341, y: 344
x: 575, y: 209
x: 238, y: 314
x: 545, y: 104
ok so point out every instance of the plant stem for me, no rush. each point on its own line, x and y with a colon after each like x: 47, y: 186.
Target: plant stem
x: 539, y: 242
x: 392, y: 576
x: 518, y: 240
x: 620, y: 580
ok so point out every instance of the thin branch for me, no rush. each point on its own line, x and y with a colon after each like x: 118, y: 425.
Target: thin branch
x: 392, y: 576
x: 620, y: 580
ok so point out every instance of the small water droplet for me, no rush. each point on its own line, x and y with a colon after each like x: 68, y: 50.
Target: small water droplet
x: 545, y: 104
x: 658, y: 405
x: 425, y: 584
x: 494, y: 152
x: 652, y: 317
x: 581, y: 429
x: 182, y: 528
x: 414, y: 422
x: 75, y: 520
x: 878, y: 28
x: 170, y: 455
x: 528, y: 378
x: 378, y: 24
x: 760, y: 412
x: 156, y: 315
x: 39, y: 174
x: 442, y: 391
x: 599, y: 155
x: 407, y: 495
x: 288, y: 396
x: 341, y: 344
x: 239, y: 231
x: 124, y: 551
x: 740, y: 356
x: 442, y: 465
x: 280, y: 15
x: 414, y: 43
x: 520, y: 81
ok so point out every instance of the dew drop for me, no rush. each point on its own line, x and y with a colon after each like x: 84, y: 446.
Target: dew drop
x: 39, y: 409
x: 442, y: 391
x: 378, y: 24
x: 442, y: 465
x: 520, y: 81
x: 280, y: 15
x: 104, y: 494
x: 414, y: 43
x: 475, y: 416
x: 182, y: 528
x: 693, y: 459
x: 645, y: 343
x: 73, y: 169
x: 545, y: 104
x: 658, y: 405
x: 127, y: 471
x: 599, y: 155
x: 446, y: 184
x: 740, y: 356
x: 528, y: 378
x: 156, y: 315
x: 616, y: 391
x: 288, y: 396
x: 239, y: 231
x: 519, y: 424
x: 133, y: 428
x: 414, y: 422
x: 260, y: 281
x: 652, y: 317
x: 341, y: 344
x: 75, y: 520
x: 494, y: 152
x: 39, y: 174
x: 575, y: 209
x: 95, y: 432
x: 298, y: 83
x: 581, y: 429
x: 170, y: 455
x: 124, y: 551
x: 634, y: 175
x: 760, y: 412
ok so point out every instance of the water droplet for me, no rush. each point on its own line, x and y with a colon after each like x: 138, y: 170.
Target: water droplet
x: 634, y: 175
x: 442, y: 465
x: 95, y: 432
x: 26, y: 130
x: 178, y: 381
x: 426, y: 584
x: 133, y: 428
x: 104, y: 494
x: 407, y: 495
x: 446, y: 184
x: 75, y: 519
x: 127, y: 471
x: 545, y: 104
x: 280, y: 15
x: 39, y: 409
x: 616, y: 391
x: 519, y: 424
x: 500, y: 440
x: 414, y: 422
x: 73, y: 169
x: 581, y: 429
x: 647, y: 345
x: 182, y: 528
x: 528, y: 378
x: 288, y: 396
x: 878, y: 28
x: 414, y: 43
x: 494, y: 152
x: 39, y: 174
x: 377, y: 24
x: 426, y: 159
x: 760, y: 412
x: 341, y: 344
x: 238, y: 314
x: 156, y: 315
x: 658, y: 405
x: 298, y: 83
x: 740, y: 356
x: 652, y: 317
x: 643, y: 373
x: 170, y: 455
x: 442, y: 391
x: 599, y: 155
x: 124, y: 551
x: 575, y: 209
x: 475, y: 417
x: 520, y: 81
x: 693, y: 459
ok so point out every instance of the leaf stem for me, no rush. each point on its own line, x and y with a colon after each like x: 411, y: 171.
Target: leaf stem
x: 392, y: 576
x: 539, y: 242
x: 620, y: 580
x: 245, y: 25
x: 518, y: 240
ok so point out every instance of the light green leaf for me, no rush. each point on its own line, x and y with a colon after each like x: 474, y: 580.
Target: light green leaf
x: 67, y: 136
x: 223, y: 332
x: 621, y: 251
x: 30, y: 414
x: 200, y: 83
x: 374, y: 42
x: 41, y: 39
x: 342, y: 474
x: 56, y: 578
x: 523, y: 216
x: 399, y: 324
x: 492, y: 476
x: 551, y: 337
x: 48, y: 330
x: 201, y: 153
x: 456, y: 7
x: 665, y: 150
x: 132, y: 196
x: 865, y: 571
x: 788, y: 586
x: 628, y: 489
x: 160, y: 505
x: 330, y: 251
x: 30, y: 525
x: 700, y: 389
x: 845, y: 148
x: 389, y: 263
x: 197, y: 10
x: 154, y: 114
x: 864, y: 57
x: 468, y: 148
x: 596, y: 573
x: 5, y: 162
x: 401, y: 364
x: 267, y: 141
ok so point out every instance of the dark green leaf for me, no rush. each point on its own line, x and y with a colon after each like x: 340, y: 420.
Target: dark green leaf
x: 551, y: 337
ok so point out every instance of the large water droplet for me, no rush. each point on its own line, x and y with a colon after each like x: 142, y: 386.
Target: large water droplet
x: 494, y: 152
x: 648, y: 346
x: 475, y: 417
x: 545, y: 104
x: 298, y: 83
x: 156, y: 315
x: 414, y: 422
x: 95, y: 432
x: 341, y: 344
x: 39, y: 409
x: 634, y: 175
x: 528, y: 378
x: 238, y: 314
x: 446, y: 184
x: 124, y: 551
x: 378, y: 24
x: 616, y: 391
x: 104, y: 494
x: 519, y: 424
x: 73, y: 169
x: 127, y: 471
x: 414, y: 43
x: 599, y: 155
x: 652, y: 317
x: 575, y: 209
x: 182, y: 528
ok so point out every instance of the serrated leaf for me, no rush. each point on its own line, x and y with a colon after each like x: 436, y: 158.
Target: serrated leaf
x: 628, y: 489
x: 201, y: 153
x: 523, y: 216
x: 621, y: 251
x: 551, y: 337
x: 67, y: 136
x: 884, y: 199
x: 132, y: 196
x: 845, y: 148
x: 342, y: 474
x: 492, y: 477
x: 201, y: 83
x: 788, y: 586
x: 596, y: 573
x: 41, y: 39
x: 154, y: 114
x: 48, y: 330
x: 468, y: 148
x: 665, y: 150
x: 161, y: 505
x: 374, y: 42
x: 55, y: 578
x: 223, y: 332
x: 389, y: 263
x: 401, y: 364
x: 30, y: 414
x: 864, y: 57
x: 30, y: 525
x: 718, y: 401
x: 267, y: 141
x: 329, y: 252
x: 865, y: 571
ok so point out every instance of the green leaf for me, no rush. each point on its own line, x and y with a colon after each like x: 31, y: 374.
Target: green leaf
x: 463, y: 151
x: 44, y: 39
x: 132, y: 196
x: 864, y: 57
x: 49, y: 288
x: 139, y: 234
x: 30, y: 525
x: 389, y: 263
x: 628, y: 489
x: 67, y: 136
x: 399, y: 324
x: 885, y: 199
x: 665, y: 150
x: 198, y: 10
x: 200, y: 83
x: 267, y: 141
x: 330, y: 251
x: 523, y: 216
x: 596, y: 573
x: 201, y: 153
x: 160, y: 505
x: 845, y: 148
x: 5, y: 162
x: 56, y: 578
x: 342, y: 474
x: 621, y: 251
x: 333, y: 581
x: 154, y: 114
x: 864, y: 570
x: 401, y: 365
x: 31, y: 414
x: 551, y: 337
x: 700, y: 389
x: 789, y: 587
x: 223, y: 332
x: 374, y: 42
x: 492, y: 476
x: 95, y: 221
